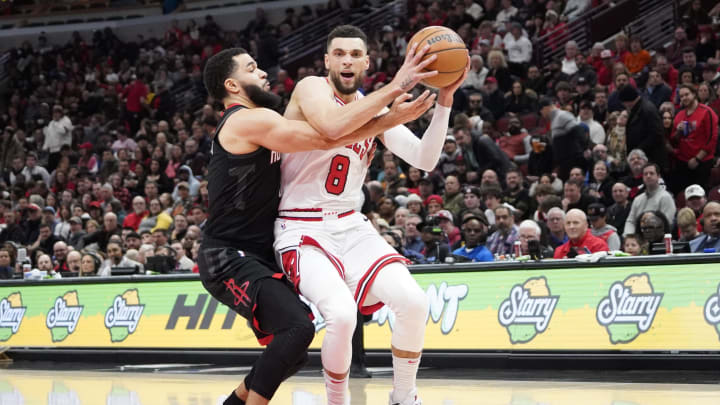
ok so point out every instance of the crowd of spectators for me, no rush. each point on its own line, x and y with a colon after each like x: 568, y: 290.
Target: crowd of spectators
x: 611, y: 149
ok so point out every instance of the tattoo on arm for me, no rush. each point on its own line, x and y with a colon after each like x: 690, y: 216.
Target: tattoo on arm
x: 405, y: 85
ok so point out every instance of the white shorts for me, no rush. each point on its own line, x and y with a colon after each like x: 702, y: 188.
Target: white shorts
x: 347, y: 238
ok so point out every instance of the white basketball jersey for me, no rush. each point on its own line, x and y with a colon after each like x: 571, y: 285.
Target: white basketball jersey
x: 328, y: 179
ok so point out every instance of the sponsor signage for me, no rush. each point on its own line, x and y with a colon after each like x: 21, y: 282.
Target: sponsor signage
x: 528, y: 309
x: 666, y: 307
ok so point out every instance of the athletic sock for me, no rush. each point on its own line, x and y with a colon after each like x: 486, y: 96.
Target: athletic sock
x: 404, y: 374
x: 337, y: 390
x: 233, y: 400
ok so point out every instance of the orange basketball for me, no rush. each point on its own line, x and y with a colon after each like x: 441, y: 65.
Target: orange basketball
x: 450, y: 50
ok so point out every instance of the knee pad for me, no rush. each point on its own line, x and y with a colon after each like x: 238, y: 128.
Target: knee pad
x: 410, y: 305
x: 340, y: 316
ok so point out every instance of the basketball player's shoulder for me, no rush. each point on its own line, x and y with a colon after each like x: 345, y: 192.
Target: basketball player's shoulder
x: 312, y: 86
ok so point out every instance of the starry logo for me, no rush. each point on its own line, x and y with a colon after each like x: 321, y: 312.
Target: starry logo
x: 712, y: 310
x: 629, y: 309
x: 528, y: 309
x: 63, y: 317
x: 123, y: 316
x: 12, y: 313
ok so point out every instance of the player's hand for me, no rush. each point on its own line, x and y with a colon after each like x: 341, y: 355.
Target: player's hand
x: 411, y: 72
x: 445, y: 97
x: 403, y: 111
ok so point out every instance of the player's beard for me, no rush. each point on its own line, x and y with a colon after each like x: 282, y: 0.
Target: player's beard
x: 340, y: 87
x: 262, y: 98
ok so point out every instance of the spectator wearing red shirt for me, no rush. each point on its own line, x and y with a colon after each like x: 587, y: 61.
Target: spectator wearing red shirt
x: 580, y: 240
x: 605, y: 71
x: 139, y: 212
x: 696, y: 133
x: 134, y: 94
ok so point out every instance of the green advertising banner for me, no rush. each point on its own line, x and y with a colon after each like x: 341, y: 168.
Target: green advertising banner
x: 659, y: 307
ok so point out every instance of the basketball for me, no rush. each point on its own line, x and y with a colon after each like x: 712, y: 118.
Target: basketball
x: 450, y: 50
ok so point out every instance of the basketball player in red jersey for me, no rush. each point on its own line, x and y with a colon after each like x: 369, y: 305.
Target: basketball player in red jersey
x: 333, y: 255
x: 236, y: 260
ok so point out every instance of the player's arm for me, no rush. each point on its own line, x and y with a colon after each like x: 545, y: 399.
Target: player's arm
x: 424, y: 153
x: 264, y: 127
x: 323, y: 114
x: 401, y: 112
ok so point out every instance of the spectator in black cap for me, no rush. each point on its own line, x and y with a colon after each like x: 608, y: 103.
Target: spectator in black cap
x: 586, y: 116
x: 435, y: 249
x: 133, y: 241
x: 584, y: 90
x: 494, y: 98
x: 76, y: 232
x: 644, y: 128
x: 474, y: 231
x: 596, y: 216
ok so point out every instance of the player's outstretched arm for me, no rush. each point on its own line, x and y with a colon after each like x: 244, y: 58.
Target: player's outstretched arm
x: 401, y: 112
x: 321, y: 111
x: 424, y: 154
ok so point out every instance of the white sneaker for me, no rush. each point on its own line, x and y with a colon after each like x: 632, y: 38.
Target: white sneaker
x: 411, y: 399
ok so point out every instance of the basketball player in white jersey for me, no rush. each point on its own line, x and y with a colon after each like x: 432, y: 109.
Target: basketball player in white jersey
x: 333, y: 255
x: 236, y: 258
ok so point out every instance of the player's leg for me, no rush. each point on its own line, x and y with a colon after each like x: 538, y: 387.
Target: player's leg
x: 395, y: 287
x: 280, y: 313
x: 322, y: 285
x: 376, y: 273
x: 246, y: 286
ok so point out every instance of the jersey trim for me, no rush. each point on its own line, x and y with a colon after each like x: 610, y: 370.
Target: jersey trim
x: 308, y: 241
x: 363, y: 287
x: 309, y: 215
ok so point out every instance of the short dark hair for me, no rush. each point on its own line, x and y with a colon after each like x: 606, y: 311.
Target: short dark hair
x: 491, y: 191
x: 688, y: 87
x: 346, y: 31
x: 651, y: 164
x: 217, y: 69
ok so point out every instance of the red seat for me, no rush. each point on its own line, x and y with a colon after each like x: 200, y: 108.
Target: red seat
x: 714, y: 194
x: 680, y: 200
x: 530, y: 121
x: 502, y: 124
x: 714, y: 177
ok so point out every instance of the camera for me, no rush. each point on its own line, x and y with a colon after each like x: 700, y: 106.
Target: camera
x: 431, y: 225
x: 534, y: 250
x: 160, y: 264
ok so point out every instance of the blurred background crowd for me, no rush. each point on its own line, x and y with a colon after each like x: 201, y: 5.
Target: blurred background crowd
x: 102, y: 162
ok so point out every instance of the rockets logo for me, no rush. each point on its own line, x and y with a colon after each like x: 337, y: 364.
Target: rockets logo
x: 12, y: 313
x: 528, y: 309
x: 712, y: 310
x: 63, y: 317
x: 629, y: 309
x: 123, y: 316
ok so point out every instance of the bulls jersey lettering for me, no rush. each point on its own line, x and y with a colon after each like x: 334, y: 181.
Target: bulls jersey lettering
x: 329, y: 179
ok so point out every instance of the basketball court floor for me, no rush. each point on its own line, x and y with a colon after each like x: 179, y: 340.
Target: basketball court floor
x: 179, y: 384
